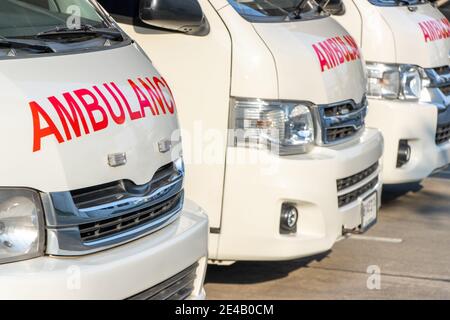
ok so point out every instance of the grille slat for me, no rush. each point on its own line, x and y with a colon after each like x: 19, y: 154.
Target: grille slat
x: 443, y: 133
x: 340, y: 133
x: 442, y: 70
x: 105, y: 228
x: 356, y: 178
x: 354, y: 195
x: 123, y: 189
x: 179, y: 287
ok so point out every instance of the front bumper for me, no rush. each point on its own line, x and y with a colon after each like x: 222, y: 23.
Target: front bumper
x: 118, y: 273
x: 417, y: 123
x: 255, y: 191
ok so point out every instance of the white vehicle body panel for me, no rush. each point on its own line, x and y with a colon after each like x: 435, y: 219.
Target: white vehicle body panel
x: 79, y: 162
x: 287, y: 40
x: 193, y: 76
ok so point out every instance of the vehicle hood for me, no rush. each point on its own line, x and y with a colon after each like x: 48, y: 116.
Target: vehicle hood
x: 51, y: 146
x: 316, y: 60
x: 421, y: 37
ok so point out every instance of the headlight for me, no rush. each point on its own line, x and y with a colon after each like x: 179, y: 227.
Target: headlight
x: 283, y: 127
x: 21, y: 234
x: 391, y: 81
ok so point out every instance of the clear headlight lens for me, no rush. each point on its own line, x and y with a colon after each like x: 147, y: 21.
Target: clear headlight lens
x: 392, y: 81
x: 411, y: 82
x: 283, y: 127
x: 21, y: 234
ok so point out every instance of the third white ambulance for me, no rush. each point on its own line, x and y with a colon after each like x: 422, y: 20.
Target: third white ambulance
x: 406, y: 45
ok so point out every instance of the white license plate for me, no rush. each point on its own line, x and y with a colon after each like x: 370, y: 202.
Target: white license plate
x: 369, y: 211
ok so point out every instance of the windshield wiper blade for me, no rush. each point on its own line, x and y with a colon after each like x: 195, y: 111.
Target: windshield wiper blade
x: 83, y: 30
x: 34, y: 45
x: 403, y: 2
x: 296, y: 14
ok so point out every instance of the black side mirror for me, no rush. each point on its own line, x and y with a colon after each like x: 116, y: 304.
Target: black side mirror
x: 333, y: 7
x: 177, y: 15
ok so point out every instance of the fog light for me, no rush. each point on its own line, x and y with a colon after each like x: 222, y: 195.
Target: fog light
x: 289, y: 218
x: 404, y: 153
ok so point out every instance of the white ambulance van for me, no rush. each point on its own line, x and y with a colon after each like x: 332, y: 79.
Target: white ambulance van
x: 299, y: 167
x: 91, y: 198
x: 406, y: 45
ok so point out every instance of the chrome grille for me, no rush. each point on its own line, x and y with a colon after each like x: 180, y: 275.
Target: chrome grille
x: 100, y: 217
x: 123, y: 189
x: 439, y: 78
x: 341, y: 121
x: 354, y: 195
x: 443, y: 133
x: 179, y: 287
x: 356, y: 178
x: 106, y: 228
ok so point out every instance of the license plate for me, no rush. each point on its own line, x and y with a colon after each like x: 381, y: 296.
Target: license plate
x: 369, y: 211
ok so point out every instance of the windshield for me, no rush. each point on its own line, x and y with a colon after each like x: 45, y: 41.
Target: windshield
x: 57, y: 24
x: 276, y: 10
x: 395, y: 3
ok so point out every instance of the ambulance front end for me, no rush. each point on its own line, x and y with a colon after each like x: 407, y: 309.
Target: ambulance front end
x: 91, y: 198
x: 288, y: 94
x: 297, y: 166
x: 406, y: 45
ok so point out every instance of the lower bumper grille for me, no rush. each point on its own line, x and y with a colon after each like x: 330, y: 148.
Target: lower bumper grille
x: 353, y: 196
x: 179, y: 287
x: 356, y: 178
x: 443, y: 133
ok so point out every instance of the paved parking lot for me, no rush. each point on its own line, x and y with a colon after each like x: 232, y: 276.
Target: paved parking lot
x: 410, y: 245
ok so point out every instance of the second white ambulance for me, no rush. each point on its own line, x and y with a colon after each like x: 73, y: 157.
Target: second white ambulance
x: 263, y: 70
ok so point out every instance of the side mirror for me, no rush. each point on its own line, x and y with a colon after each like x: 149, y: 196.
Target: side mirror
x: 333, y: 7
x: 177, y: 15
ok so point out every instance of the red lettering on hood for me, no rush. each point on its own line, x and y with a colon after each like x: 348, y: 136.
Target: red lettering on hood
x: 434, y: 30
x: 97, y: 110
x: 335, y: 51
x: 72, y: 117
x: 41, y: 132
x: 92, y: 107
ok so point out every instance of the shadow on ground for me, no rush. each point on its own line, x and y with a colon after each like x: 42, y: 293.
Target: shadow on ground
x: 394, y: 191
x: 257, y: 272
x: 429, y: 198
